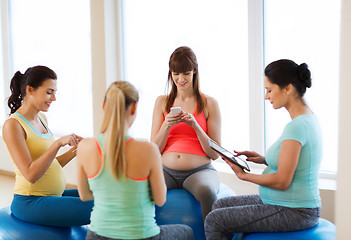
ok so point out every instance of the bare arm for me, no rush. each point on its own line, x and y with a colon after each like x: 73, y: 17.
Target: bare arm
x: 66, y: 157
x: 15, y: 140
x: 288, y: 159
x: 213, y: 127
x: 156, y: 178
x: 86, y: 156
x: 252, y: 156
x: 160, y: 129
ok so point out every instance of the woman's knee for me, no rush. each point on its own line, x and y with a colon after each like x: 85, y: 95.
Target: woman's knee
x: 220, y: 203
x: 188, y: 232
x: 175, y: 231
x: 206, y: 192
x: 211, y: 221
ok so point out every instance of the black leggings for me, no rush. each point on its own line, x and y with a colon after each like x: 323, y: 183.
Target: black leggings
x: 202, y: 182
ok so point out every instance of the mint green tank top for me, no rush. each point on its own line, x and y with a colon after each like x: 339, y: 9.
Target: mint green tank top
x: 303, y: 191
x: 122, y: 209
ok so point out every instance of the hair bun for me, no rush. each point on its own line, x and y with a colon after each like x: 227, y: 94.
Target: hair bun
x: 304, y: 75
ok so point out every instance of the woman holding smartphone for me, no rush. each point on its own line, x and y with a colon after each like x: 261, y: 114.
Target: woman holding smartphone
x: 288, y: 197
x: 182, y: 138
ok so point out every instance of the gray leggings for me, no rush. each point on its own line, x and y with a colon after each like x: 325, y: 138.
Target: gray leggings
x: 248, y: 214
x: 202, y: 182
x: 167, y: 232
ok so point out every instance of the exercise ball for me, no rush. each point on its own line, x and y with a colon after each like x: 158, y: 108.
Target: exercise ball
x: 181, y: 207
x: 324, y: 230
x: 11, y: 228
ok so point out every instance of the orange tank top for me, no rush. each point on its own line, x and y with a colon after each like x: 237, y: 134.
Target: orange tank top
x: 183, y: 139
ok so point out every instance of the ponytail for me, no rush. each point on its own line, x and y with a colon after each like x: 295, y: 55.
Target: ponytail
x: 16, y: 98
x: 118, y: 98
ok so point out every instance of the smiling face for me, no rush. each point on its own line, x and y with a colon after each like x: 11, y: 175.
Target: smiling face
x: 276, y: 95
x: 44, y: 95
x: 183, y: 80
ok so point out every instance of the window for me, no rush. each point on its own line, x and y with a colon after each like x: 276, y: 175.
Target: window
x: 2, y: 75
x: 57, y: 34
x: 292, y: 32
x: 2, y: 97
x: 218, y: 35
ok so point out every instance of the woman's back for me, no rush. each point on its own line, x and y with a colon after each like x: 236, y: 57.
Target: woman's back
x: 123, y: 208
x: 123, y: 175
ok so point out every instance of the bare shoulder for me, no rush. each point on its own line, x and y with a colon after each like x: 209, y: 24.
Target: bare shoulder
x: 211, y: 103
x: 144, y: 149
x: 145, y: 145
x: 86, y: 150
x: 86, y: 143
x: 160, y: 101
x: 159, y: 106
x: 86, y: 146
x: 210, y: 100
x: 161, y: 98
x: 11, y: 126
x: 10, y: 122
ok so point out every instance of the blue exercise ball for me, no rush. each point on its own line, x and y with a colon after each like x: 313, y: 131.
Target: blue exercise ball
x: 324, y: 230
x: 11, y: 228
x: 181, y: 207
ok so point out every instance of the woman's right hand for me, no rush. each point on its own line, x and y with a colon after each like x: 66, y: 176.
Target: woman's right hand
x: 173, y: 119
x: 252, y: 156
x: 71, y: 140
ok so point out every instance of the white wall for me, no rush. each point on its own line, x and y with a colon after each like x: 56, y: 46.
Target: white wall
x: 5, y: 162
x: 343, y: 207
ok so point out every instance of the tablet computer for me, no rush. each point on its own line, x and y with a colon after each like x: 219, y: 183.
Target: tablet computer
x: 228, y: 155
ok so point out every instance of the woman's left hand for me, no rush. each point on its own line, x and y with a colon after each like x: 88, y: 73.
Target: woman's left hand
x: 189, y: 119
x: 74, y: 148
x: 238, y: 170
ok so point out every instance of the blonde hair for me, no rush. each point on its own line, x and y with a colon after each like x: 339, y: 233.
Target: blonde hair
x: 119, y: 96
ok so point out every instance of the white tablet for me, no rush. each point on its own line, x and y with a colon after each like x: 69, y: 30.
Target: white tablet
x: 228, y: 155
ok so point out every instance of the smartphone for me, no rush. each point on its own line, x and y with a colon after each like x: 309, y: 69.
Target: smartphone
x: 228, y: 155
x: 176, y: 110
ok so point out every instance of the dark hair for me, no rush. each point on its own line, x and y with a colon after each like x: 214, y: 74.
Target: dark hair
x: 33, y: 77
x: 283, y: 72
x: 182, y: 60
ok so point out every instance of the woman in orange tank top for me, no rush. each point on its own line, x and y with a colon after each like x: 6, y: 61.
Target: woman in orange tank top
x: 182, y: 138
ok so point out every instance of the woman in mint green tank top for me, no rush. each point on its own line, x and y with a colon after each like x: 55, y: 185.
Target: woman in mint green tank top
x: 123, y: 175
x: 288, y: 197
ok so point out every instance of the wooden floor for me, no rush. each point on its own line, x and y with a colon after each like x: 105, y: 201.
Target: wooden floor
x: 7, y: 183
